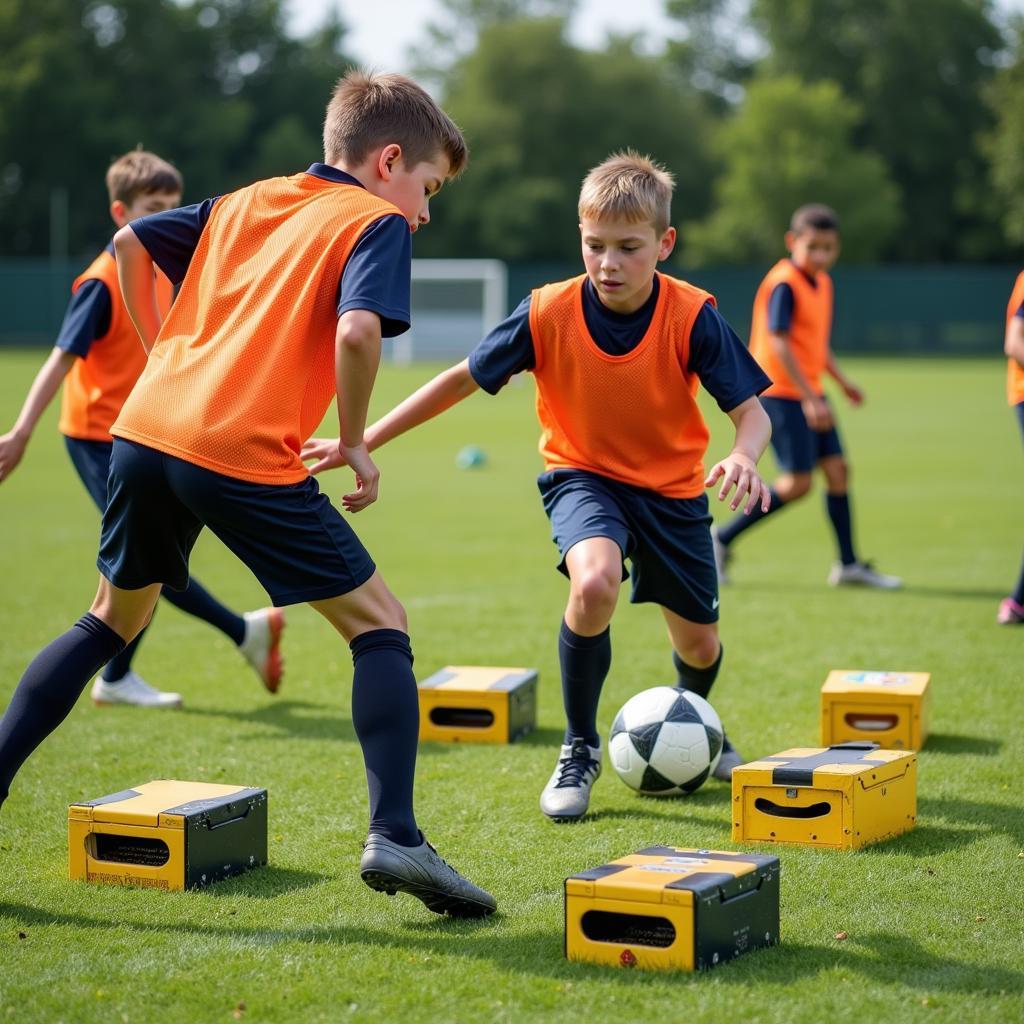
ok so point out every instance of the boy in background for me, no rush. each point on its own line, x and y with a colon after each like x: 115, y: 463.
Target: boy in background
x: 617, y: 355
x: 98, y: 358
x: 1011, y: 608
x: 287, y: 287
x: 789, y: 337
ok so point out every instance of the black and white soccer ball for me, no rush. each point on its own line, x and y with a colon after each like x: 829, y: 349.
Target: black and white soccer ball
x: 665, y: 741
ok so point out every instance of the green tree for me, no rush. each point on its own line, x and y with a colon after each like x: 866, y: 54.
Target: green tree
x: 792, y: 143
x: 538, y: 113
x: 216, y: 86
x: 1004, y: 145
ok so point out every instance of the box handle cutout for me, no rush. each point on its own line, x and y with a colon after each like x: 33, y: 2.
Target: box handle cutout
x: 212, y: 825
x: 818, y: 810
x: 140, y: 850
x: 628, y: 929
x: 462, y: 718
x: 876, y: 723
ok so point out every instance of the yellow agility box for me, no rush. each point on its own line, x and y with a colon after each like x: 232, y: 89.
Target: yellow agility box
x: 887, y: 708
x: 478, y: 704
x: 666, y: 908
x: 839, y: 797
x: 168, y: 835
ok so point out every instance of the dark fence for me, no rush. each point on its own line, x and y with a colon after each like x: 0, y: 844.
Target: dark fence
x: 940, y: 310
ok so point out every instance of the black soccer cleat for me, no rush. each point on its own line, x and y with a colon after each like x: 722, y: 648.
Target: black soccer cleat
x: 419, y: 871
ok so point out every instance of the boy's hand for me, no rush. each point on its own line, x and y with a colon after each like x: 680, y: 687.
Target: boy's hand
x: 327, y: 452
x: 853, y: 393
x: 740, y: 470
x: 367, y: 478
x: 12, y: 448
x: 817, y: 413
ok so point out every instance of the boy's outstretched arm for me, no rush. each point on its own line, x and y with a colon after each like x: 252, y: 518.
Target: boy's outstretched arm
x: 47, y: 381
x: 852, y: 392
x: 739, y: 467
x: 1013, y: 344
x: 814, y: 407
x: 445, y: 390
x: 138, y: 289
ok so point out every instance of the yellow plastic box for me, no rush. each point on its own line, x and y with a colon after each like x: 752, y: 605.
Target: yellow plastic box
x: 839, y: 797
x: 666, y: 908
x: 168, y: 835
x: 478, y: 704
x: 887, y: 708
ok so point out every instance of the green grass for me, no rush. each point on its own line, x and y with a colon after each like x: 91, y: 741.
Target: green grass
x: 934, y: 918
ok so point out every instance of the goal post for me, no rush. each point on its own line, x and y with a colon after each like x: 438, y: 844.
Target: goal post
x: 454, y: 304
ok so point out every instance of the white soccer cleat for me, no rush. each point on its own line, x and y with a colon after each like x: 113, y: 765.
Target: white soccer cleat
x: 862, y: 574
x: 132, y: 689
x: 567, y: 794
x: 262, y: 645
x: 722, y: 557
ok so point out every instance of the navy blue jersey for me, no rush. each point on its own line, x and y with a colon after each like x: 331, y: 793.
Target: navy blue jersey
x: 1020, y: 312
x: 781, y: 303
x: 376, y: 276
x: 717, y: 356
x: 86, y: 318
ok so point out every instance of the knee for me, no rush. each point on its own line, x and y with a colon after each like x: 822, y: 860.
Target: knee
x: 392, y: 615
x: 701, y: 651
x: 798, y: 486
x: 837, y: 474
x: 595, y: 591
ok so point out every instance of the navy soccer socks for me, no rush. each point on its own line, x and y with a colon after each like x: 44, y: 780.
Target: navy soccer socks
x: 386, y: 717
x: 49, y: 688
x: 697, y: 680
x: 740, y: 522
x: 585, y: 661
x: 838, y: 508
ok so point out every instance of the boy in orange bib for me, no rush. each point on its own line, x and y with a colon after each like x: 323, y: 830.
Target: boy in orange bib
x: 789, y: 337
x: 1011, y: 608
x: 98, y: 357
x: 617, y: 355
x: 287, y: 287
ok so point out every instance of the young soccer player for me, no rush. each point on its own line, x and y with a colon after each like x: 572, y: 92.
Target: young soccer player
x: 617, y: 355
x: 790, y: 339
x: 1011, y: 608
x: 98, y: 358
x: 287, y: 287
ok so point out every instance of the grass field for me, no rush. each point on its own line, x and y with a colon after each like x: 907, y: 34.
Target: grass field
x: 933, y: 919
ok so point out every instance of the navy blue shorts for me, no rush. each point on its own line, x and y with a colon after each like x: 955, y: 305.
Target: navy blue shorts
x: 91, y: 460
x: 291, y: 537
x: 667, y: 540
x: 797, y: 448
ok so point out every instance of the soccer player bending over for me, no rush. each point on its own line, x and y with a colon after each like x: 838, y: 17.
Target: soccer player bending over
x: 617, y: 355
x: 287, y: 287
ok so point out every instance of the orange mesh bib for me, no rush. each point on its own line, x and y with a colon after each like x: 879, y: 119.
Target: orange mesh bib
x: 808, y: 333
x: 633, y: 418
x: 96, y: 387
x: 1014, y: 371
x: 242, y: 371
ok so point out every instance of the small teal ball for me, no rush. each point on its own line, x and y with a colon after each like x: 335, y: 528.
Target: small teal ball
x: 471, y: 457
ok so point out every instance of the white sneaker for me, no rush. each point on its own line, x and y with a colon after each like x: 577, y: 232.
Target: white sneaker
x: 132, y: 689
x: 862, y: 574
x: 722, y: 557
x: 262, y: 643
x: 567, y: 794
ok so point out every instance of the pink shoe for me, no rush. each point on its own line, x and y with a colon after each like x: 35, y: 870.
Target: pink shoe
x: 262, y: 645
x: 1010, y: 612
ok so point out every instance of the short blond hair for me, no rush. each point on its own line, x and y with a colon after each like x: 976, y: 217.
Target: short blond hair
x: 139, y: 173
x: 628, y: 186
x: 368, y: 109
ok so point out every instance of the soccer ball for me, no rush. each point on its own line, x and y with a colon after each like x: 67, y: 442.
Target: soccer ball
x: 665, y: 741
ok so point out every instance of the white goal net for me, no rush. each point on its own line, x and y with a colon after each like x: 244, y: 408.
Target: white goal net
x: 454, y: 304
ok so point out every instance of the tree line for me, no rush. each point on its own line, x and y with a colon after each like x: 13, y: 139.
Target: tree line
x: 906, y: 115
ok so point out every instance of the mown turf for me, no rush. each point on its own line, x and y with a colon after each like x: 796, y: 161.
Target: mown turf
x: 933, y: 919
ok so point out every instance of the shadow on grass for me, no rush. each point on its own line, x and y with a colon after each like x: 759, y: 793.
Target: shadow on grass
x: 881, y: 959
x: 288, y: 718
x: 266, y: 883
x: 543, y: 738
x: 971, y: 594
x: 950, y: 743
